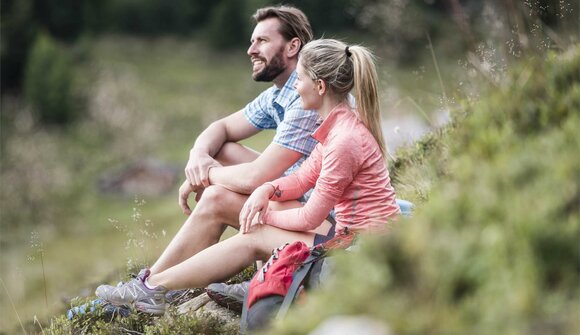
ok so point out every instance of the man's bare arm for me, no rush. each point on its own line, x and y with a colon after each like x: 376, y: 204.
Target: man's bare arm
x: 244, y: 178
x: 232, y: 128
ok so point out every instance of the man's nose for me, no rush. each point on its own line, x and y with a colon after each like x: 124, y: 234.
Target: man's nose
x: 252, y: 50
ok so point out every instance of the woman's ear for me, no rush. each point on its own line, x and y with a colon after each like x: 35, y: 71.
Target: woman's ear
x: 293, y: 47
x: 320, y: 86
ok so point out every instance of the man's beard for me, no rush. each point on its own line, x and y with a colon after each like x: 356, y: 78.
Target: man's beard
x: 272, y: 69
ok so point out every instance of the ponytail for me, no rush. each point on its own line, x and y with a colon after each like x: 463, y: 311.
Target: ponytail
x: 345, y: 69
x: 366, y: 93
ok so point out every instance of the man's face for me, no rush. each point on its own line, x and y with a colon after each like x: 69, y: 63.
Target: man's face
x: 266, y: 51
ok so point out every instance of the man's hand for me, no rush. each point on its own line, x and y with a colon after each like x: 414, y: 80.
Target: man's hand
x: 184, y: 191
x: 257, y: 204
x: 197, y: 169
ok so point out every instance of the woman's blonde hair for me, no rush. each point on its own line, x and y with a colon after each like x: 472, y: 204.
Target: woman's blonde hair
x: 344, y: 69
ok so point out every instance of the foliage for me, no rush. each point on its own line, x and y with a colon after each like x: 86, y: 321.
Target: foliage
x: 18, y: 33
x: 518, y: 27
x: 99, y: 323
x: 228, y: 25
x: 48, y: 81
x: 494, y: 248
x: 66, y: 20
x: 399, y: 26
x: 187, y: 324
x: 152, y: 17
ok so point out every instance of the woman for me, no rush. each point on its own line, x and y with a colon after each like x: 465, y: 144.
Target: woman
x: 347, y: 170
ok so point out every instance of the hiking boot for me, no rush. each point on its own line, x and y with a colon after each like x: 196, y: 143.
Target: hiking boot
x: 135, y: 293
x: 229, y: 296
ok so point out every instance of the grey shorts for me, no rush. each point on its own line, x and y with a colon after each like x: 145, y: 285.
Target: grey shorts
x: 318, y: 238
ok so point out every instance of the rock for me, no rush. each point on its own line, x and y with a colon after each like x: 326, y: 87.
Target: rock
x: 194, y: 304
x: 145, y: 177
x: 347, y: 325
x: 202, y: 306
x: 215, y: 310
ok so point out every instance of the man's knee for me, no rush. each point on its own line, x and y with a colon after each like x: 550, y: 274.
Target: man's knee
x: 211, y: 200
x: 218, y: 201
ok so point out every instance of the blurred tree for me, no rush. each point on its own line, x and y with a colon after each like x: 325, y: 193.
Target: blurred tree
x: 228, y: 25
x: 153, y: 17
x: 325, y: 18
x: 18, y: 30
x: 61, y: 18
x: 21, y: 20
x: 524, y: 25
x: 48, y: 80
x: 400, y: 25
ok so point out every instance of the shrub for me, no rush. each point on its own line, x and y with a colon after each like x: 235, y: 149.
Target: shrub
x: 48, y: 81
x: 228, y: 25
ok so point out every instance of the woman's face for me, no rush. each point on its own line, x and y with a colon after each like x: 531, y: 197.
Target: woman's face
x: 308, y: 89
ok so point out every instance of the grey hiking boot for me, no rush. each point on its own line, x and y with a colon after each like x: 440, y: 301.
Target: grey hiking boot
x: 135, y: 293
x: 229, y: 296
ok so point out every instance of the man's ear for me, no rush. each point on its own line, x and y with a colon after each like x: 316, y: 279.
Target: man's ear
x: 293, y: 47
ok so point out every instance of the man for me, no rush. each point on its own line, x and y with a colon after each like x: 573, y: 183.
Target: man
x: 222, y: 172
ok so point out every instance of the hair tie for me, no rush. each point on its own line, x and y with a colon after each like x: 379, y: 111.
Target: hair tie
x: 348, y: 54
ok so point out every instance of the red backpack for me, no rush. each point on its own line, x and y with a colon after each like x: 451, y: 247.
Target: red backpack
x: 286, y: 270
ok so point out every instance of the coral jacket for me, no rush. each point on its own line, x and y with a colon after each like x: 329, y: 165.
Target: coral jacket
x: 348, y: 173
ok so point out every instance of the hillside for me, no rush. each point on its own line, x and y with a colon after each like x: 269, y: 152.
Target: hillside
x: 493, y: 245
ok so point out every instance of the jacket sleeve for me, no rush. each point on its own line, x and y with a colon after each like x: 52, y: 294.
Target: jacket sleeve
x: 339, y: 165
x: 295, y: 185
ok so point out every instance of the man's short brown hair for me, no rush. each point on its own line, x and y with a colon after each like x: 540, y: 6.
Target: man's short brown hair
x: 293, y: 22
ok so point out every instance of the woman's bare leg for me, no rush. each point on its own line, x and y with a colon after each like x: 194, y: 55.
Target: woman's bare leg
x: 227, y: 258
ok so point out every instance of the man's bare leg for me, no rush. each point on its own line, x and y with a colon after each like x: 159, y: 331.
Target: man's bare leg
x: 217, y: 208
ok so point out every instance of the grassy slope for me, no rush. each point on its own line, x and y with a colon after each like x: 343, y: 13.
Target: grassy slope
x: 493, y: 247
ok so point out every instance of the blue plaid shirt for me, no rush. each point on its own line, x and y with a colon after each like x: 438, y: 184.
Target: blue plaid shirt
x: 281, y: 109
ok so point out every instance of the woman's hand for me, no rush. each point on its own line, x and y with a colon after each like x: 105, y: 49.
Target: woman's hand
x: 257, y: 203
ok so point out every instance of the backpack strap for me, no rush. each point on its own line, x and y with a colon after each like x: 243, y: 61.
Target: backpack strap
x: 244, y: 317
x: 298, y: 279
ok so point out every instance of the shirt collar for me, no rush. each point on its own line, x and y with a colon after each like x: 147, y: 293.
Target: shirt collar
x: 287, y: 94
x: 337, y: 114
